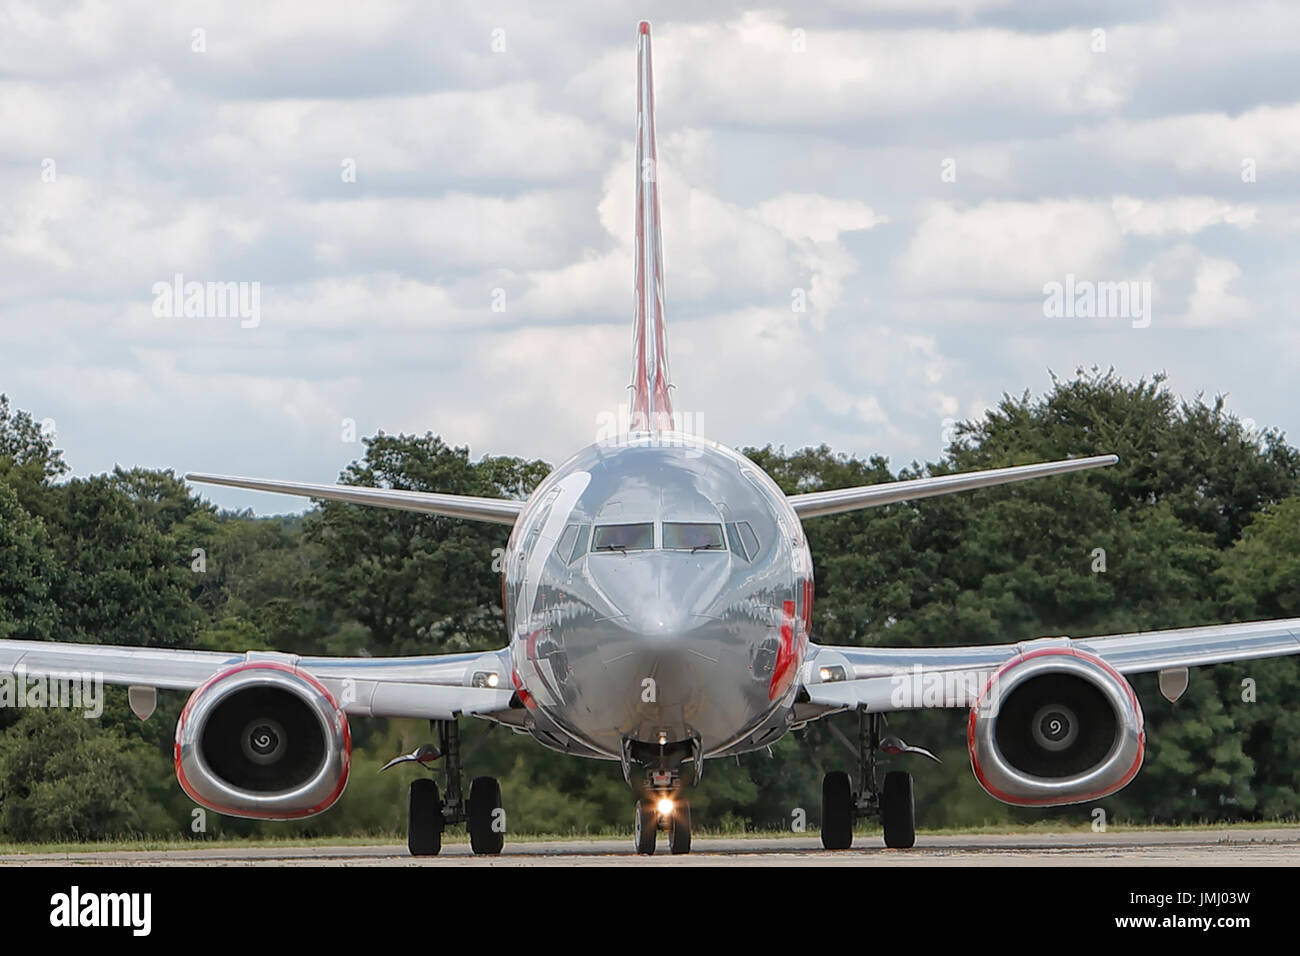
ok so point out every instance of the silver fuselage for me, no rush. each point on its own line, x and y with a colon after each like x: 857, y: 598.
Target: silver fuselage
x: 657, y: 644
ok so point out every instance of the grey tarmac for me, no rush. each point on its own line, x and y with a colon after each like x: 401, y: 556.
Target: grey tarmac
x: 1198, y: 848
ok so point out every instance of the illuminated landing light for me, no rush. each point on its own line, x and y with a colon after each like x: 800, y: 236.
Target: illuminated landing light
x: 485, y: 679
x: 832, y: 673
x: 665, y: 807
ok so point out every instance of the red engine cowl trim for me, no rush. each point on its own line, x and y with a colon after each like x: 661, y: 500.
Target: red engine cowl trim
x: 1019, y: 801
x: 320, y: 807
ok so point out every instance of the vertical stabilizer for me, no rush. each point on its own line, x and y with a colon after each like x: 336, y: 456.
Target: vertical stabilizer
x: 651, y: 405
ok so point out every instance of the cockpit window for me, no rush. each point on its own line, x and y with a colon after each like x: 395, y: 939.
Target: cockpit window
x: 743, y: 541
x: 733, y: 537
x: 564, y: 547
x: 693, y: 536
x: 580, y: 545
x: 623, y: 537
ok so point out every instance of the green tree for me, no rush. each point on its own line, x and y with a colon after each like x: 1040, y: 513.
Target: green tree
x: 27, y: 609
x: 65, y: 777
x: 1199, y: 522
x: 1260, y: 579
x: 418, y: 583
x: 28, y: 459
x: 121, y: 580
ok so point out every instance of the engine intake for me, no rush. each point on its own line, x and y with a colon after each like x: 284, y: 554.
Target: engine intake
x: 263, y: 740
x: 1055, y: 727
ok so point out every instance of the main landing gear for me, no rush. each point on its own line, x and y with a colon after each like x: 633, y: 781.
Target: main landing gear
x: 428, y: 814
x: 891, y: 804
x: 659, y: 809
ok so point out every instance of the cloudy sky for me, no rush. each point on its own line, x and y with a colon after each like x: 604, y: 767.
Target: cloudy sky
x: 435, y: 203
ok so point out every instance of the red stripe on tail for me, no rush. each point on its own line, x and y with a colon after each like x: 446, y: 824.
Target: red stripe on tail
x: 651, y: 403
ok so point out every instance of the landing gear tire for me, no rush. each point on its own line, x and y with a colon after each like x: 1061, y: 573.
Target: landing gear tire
x: 679, y: 829
x: 424, y: 822
x: 898, y: 811
x: 647, y: 828
x: 486, y: 821
x: 837, y: 811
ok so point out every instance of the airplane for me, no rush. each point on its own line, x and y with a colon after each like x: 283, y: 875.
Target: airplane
x: 658, y: 592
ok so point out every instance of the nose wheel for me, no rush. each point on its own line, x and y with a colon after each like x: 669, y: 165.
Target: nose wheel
x: 659, y: 810
x: 650, y: 819
x: 647, y: 827
x: 679, y: 829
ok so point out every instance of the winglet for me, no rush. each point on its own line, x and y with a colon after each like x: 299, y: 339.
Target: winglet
x: 651, y: 404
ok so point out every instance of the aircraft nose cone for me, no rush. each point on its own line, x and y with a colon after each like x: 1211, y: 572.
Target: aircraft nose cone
x: 661, y: 619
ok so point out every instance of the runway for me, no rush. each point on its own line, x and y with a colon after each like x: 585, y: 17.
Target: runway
x: 1211, y: 847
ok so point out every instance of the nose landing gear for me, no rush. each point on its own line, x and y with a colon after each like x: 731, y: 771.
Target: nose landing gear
x: 659, y: 810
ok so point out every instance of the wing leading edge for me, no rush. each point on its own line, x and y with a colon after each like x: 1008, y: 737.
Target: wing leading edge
x: 495, y: 510
x: 839, y: 500
x: 439, y: 687
x: 913, y: 678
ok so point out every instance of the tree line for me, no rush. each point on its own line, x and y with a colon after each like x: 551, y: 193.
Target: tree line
x: 1198, y: 523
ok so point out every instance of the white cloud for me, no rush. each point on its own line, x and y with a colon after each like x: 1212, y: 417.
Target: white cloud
x: 454, y: 232
x: 1009, y: 248
x: 1181, y: 214
x: 1195, y: 290
x: 1267, y: 136
x: 478, y: 171
x: 1012, y: 248
x: 506, y: 132
x: 749, y: 70
x: 1212, y: 303
x: 818, y: 218
x: 71, y: 235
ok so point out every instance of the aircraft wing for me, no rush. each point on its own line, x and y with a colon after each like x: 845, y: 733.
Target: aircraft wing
x: 816, y: 503
x: 496, y: 510
x: 439, y: 687
x: 887, y: 679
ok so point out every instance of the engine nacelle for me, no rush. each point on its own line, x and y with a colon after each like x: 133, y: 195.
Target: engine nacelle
x: 263, y: 740
x: 1053, y: 727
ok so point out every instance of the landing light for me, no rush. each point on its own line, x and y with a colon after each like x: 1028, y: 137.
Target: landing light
x: 832, y: 673
x: 485, y: 679
x: 665, y: 807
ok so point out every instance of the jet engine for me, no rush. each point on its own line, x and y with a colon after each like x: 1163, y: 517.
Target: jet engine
x: 1053, y: 727
x: 263, y: 740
